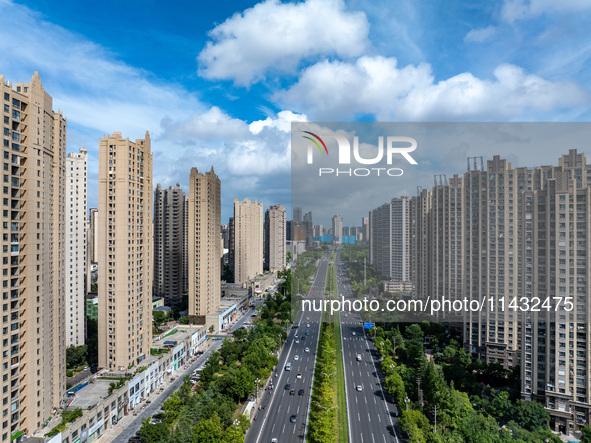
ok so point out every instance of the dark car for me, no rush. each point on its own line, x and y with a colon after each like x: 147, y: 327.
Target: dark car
x: 287, y: 387
x: 301, y: 392
x: 293, y: 418
x: 292, y: 392
x: 303, y: 337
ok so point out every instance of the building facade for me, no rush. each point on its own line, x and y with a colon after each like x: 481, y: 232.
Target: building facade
x: 34, y: 153
x: 389, y: 233
x: 337, y: 229
x: 275, y: 238
x: 76, y: 263
x: 124, y: 251
x: 205, y: 244
x: 248, y: 240
x: 170, y: 244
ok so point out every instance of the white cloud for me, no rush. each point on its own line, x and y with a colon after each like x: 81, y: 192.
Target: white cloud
x: 283, y: 122
x: 376, y: 86
x: 276, y: 36
x: 213, y: 125
x: 523, y: 9
x: 480, y: 35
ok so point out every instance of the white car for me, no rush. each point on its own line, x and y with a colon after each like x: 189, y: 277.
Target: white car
x: 307, y: 350
x: 307, y: 325
x: 274, y: 440
x: 359, y: 388
x: 353, y: 333
x: 299, y: 376
x: 297, y: 340
x: 296, y: 357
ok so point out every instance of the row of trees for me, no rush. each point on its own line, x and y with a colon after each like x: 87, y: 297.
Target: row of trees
x: 488, y: 415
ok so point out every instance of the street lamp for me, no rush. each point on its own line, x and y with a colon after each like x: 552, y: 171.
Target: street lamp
x: 257, y: 381
x: 326, y: 409
x: 328, y: 375
x: 407, y: 401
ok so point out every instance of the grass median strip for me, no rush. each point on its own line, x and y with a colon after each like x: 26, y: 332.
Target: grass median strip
x: 341, y: 396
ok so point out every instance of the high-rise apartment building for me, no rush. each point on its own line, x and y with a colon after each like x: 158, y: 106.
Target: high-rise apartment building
x: 365, y: 229
x: 205, y: 244
x: 389, y: 233
x: 170, y: 244
x: 248, y: 240
x: 33, y: 257
x: 275, y: 238
x: 337, y: 229
x: 516, y: 234
x: 76, y: 263
x: 124, y: 251
x: 296, y: 214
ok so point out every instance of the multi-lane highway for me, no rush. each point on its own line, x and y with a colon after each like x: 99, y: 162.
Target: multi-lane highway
x: 372, y: 417
x: 276, y: 418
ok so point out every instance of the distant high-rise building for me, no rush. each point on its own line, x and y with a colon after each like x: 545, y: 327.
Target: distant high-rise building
x: 248, y: 240
x: 275, y: 238
x: 337, y: 229
x: 365, y: 229
x: 205, y: 244
x: 125, y: 239
x: 389, y: 233
x: 231, y: 249
x: 296, y: 214
x: 318, y: 231
x: 308, y: 216
x: 76, y: 192
x: 170, y: 244
x: 288, y: 230
x: 34, y: 227
x: 225, y: 236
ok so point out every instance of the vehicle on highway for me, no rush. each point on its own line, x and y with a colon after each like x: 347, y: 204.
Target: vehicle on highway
x: 296, y: 336
x: 296, y: 357
x: 297, y: 341
x: 307, y: 332
x: 303, y: 337
x: 288, y: 366
x: 359, y: 388
x: 287, y: 387
x: 307, y: 350
x: 274, y: 440
x: 292, y: 392
x: 293, y: 418
x: 301, y: 392
x: 307, y: 325
x: 353, y: 333
x: 299, y: 376
x: 358, y: 357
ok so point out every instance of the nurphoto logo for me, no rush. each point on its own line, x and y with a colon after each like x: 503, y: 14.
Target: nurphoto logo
x: 395, y: 146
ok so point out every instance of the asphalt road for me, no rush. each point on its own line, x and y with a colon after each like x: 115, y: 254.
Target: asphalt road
x: 129, y: 431
x: 372, y: 417
x: 274, y: 420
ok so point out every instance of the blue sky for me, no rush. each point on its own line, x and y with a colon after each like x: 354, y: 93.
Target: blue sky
x: 218, y: 83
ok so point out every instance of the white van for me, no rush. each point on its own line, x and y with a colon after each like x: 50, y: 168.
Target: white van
x: 358, y: 357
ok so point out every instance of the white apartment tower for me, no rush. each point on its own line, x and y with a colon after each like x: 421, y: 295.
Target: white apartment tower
x: 33, y: 258
x: 204, y: 244
x: 124, y: 251
x: 337, y: 229
x: 76, y: 186
x: 275, y: 238
x: 248, y: 240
